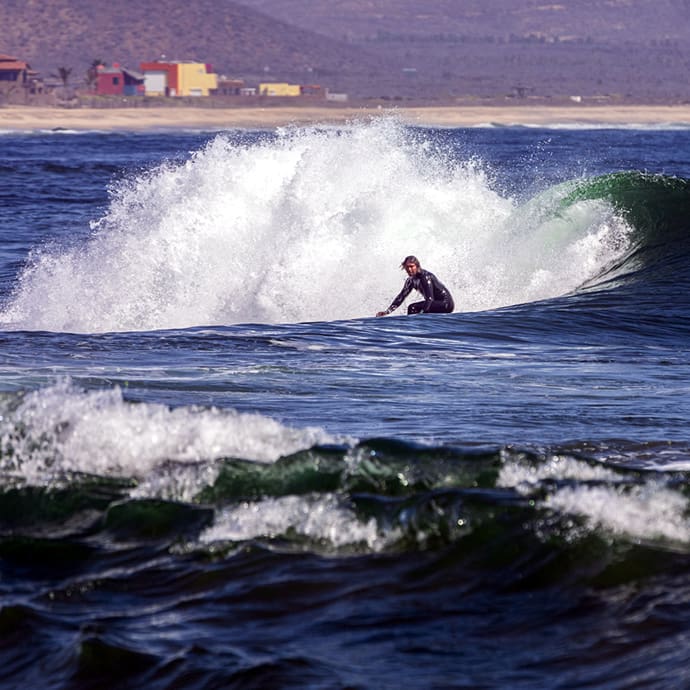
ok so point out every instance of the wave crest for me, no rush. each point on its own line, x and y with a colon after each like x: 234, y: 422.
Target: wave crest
x: 309, y: 225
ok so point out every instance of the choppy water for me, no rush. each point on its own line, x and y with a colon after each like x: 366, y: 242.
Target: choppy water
x: 218, y: 470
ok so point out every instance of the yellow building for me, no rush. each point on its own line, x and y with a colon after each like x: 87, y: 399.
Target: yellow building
x: 195, y: 79
x: 279, y: 89
x: 178, y: 78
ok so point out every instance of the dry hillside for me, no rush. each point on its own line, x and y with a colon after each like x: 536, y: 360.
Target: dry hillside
x: 631, y: 50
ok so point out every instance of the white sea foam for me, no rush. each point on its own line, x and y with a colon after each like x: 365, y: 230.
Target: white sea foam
x: 308, y: 225
x: 319, y: 518
x: 64, y: 429
x: 523, y: 477
x: 649, y: 510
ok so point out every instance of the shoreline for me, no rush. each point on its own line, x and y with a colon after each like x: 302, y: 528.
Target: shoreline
x: 31, y: 118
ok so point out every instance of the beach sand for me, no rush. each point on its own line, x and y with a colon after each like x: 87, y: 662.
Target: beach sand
x: 135, y: 119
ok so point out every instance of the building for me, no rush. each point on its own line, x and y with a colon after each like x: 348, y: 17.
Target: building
x: 13, y: 71
x: 279, y: 89
x: 178, y: 78
x: 315, y: 90
x: 160, y: 78
x: 118, y: 81
x: 196, y: 79
x: 17, y: 77
x: 229, y: 87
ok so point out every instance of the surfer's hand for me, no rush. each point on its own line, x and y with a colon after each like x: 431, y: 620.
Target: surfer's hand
x: 381, y: 313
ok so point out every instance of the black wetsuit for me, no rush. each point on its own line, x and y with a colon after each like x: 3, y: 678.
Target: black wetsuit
x: 437, y: 298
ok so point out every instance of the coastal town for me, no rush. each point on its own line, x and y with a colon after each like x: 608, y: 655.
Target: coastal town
x: 105, y: 83
x: 77, y: 53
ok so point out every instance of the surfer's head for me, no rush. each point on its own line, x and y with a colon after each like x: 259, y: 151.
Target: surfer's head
x: 411, y: 265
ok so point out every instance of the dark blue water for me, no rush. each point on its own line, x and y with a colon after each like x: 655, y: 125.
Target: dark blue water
x: 218, y: 470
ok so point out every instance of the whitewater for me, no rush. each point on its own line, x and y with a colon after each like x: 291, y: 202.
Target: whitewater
x: 309, y: 225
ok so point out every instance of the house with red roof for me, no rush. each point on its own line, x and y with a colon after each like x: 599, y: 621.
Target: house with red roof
x: 13, y: 72
x: 17, y: 77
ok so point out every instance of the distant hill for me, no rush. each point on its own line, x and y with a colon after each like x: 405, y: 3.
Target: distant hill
x: 630, y: 50
x: 235, y: 39
x: 636, y: 50
x: 608, y: 21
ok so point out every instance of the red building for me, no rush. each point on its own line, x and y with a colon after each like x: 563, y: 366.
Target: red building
x: 161, y: 78
x: 313, y: 90
x: 118, y: 81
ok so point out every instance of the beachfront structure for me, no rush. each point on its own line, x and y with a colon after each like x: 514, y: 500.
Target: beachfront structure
x: 13, y: 71
x: 118, y: 81
x: 229, y: 87
x: 178, y: 78
x: 17, y: 79
x: 315, y: 90
x: 279, y: 89
x: 160, y: 78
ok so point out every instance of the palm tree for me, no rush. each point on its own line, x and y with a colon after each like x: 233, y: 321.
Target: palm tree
x: 64, y: 93
x: 63, y: 73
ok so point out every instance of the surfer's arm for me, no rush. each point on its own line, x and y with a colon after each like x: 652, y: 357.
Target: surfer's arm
x: 407, y: 288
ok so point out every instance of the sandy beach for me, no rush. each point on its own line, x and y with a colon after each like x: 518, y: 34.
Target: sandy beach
x: 134, y: 119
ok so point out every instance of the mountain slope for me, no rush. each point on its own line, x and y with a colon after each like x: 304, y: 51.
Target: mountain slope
x: 613, y: 21
x: 233, y: 38
x: 622, y: 50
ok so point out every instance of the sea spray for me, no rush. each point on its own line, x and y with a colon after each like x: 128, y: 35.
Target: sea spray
x: 308, y: 225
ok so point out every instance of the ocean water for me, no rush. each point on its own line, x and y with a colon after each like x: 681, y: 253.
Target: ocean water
x: 218, y: 470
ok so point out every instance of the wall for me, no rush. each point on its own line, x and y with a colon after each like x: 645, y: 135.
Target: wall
x: 160, y: 78
x: 109, y: 83
x: 279, y: 89
x: 194, y: 79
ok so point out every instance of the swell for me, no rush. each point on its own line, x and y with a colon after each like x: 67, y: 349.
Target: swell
x: 378, y: 496
x: 333, y: 550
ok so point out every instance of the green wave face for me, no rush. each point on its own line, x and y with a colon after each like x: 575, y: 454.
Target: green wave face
x: 656, y: 206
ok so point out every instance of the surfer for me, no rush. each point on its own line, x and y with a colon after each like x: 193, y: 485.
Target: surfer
x: 437, y: 298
